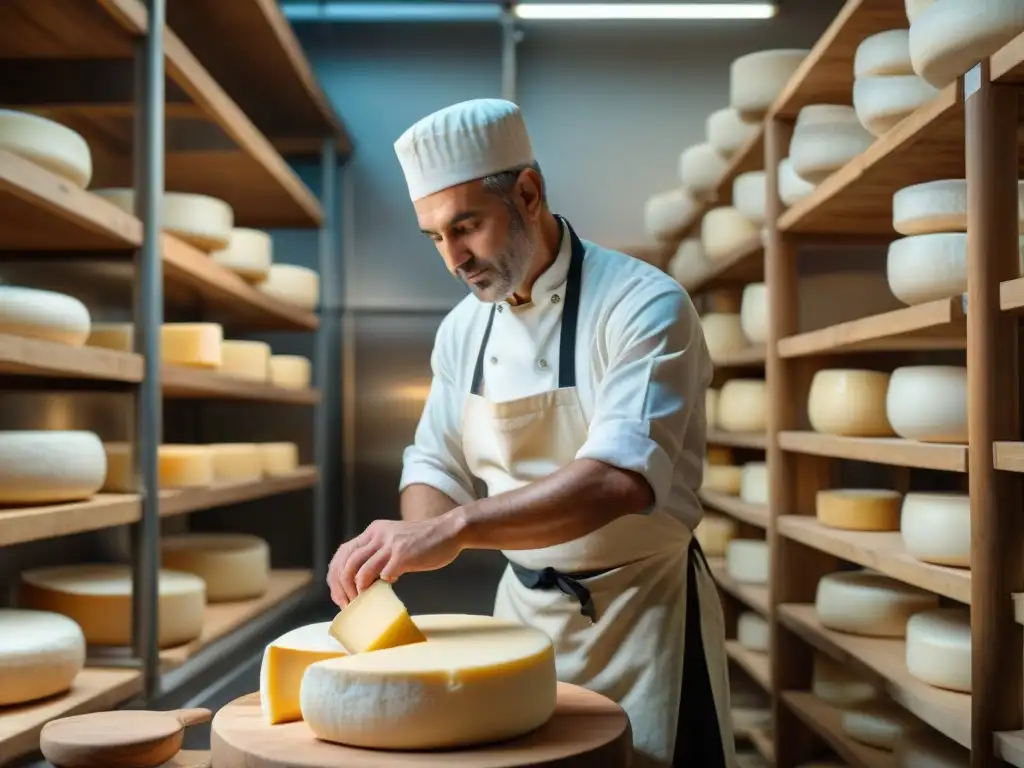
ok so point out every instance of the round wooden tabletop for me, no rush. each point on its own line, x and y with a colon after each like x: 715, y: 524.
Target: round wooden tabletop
x: 586, y: 730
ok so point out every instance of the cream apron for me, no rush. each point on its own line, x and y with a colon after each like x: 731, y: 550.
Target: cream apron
x: 632, y: 608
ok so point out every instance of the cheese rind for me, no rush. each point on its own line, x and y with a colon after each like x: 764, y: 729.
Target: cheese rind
x: 375, y: 620
x: 884, y: 53
x: 724, y: 230
x: 245, y: 359
x: 747, y: 560
x: 178, y: 466
x: 200, y: 220
x: 234, y: 566
x: 792, y: 189
x: 701, y: 167
x: 50, y: 466
x: 48, y: 144
x: 236, y: 462
x: 826, y: 137
x: 666, y: 213
x: 836, y: 685
x: 750, y: 195
x: 754, y: 482
x: 867, y: 603
x: 727, y: 133
x: 41, y: 653
x: 936, y: 528
x: 742, y: 406
x: 714, y: 532
x: 249, y: 254
x: 279, y: 458
x: 939, y: 648
x: 193, y: 344
x: 859, y: 509
x: 884, y: 101
x: 928, y: 403
x: 757, y: 79
x: 880, y: 725
x: 290, y: 371
x: 752, y: 631
x: 935, y: 207
x: 754, y: 313
x: 292, y: 284
x: 851, y: 402
x: 285, y: 661
x: 45, y: 315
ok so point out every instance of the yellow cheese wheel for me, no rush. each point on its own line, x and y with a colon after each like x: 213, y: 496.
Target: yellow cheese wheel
x: 743, y: 406
x: 849, y: 402
x: 723, y: 333
x: 179, y: 466
x: 719, y: 455
x: 194, y: 344
x: 236, y: 462
x: 279, y: 458
x: 290, y: 371
x: 714, y: 532
x: 245, y: 359
x: 859, y: 509
x: 722, y: 478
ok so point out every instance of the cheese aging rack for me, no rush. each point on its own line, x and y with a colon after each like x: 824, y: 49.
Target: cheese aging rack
x: 205, y: 99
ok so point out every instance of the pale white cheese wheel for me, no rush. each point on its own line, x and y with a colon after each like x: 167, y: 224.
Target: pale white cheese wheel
x: 752, y: 631
x: 851, y: 402
x: 723, y: 333
x: 826, y: 137
x: 859, y: 509
x: 701, y: 167
x: 689, y: 261
x: 290, y: 371
x: 47, y: 315
x: 279, y: 458
x: 292, y: 284
x: 714, y: 532
x: 936, y: 207
x: 667, y: 213
x: 884, y: 101
x: 41, y: 653
x: 46, y: 143
x: 950, y: 36
x: 884, y: 53
x: 868, y: 603
x: 711, y: 408
x: 723, y: 230
x: 915, y: 8
x: 235, y: 566
x: 792, y: 189
x: 200, y: 220
x: 750, y: 195
x: 939, y: 648
x: 722, y: 478
x: 249, y: 254
x: 928, y: 403
x: 727, y: 133
x: 99, y: 598
x: 747, y: 561
x: 743, y: 406
x: 245, y: 359
x: 757, y: 79
x: 754, y: 482
x: 927, y: 748
x: 881, y: 726
x: 235, y: 462
x: 936, y: 527
x: 50, y: 466
x: 836, y: 685
x: 754, y: 313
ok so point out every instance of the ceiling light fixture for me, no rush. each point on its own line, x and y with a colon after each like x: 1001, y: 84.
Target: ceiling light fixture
x: 642, y: 11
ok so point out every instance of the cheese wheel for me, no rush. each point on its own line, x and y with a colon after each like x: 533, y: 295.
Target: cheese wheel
x: 837, y: 686
x: 195, y: 344
x: 724, y: 230
x: 936, y: 528
x: 478, y: 679
x: 926, y: 748
x: 754, y: 313
x: 48, y: 144
x: 278, y: 458
x: 45, y: 315
x: 743, y: 406
x: 292, y: 284
x: 915, y: 8
x: 867, y: 603
x: 41, y: 653
x: 200, y: 220
x: 884, y: 101
x: 245, y: 359
x: 689, y: 261
x: 939, y: 206
x: 950, y: 36
x: 752, y: 631
x: 99, y: 598
x: 757, y: 79
x: 754, y: 482
x: 849, y: 402
x: 928, y: 403
x: 178, y: 466
x: 711, y: 408
x: 727, y: 133
x: 236, y: 462
x: 745, y: 720
x: 939, y: 648
x: 884, y: 53
x: 50, y: 466
x: 285, y: 661
x: 718, y: 455
x: 881, y: 725
x: 750, y: 195
x: 723, y: 333
x: 792, y: 189
x: 701, y: 167
x: 747, y: 561
x: 722, y: 478
x: 234, y: 566
x: 668, y: 213
x: 290, y: 371
x: 119, y: 337
x: 859, y: 509
x: 249, y: 254
x: 714, y: 532
x: 826, y: 137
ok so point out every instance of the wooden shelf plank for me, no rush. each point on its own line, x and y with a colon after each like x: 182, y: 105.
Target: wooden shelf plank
x: 34, y: 357
x: 1011, y: 296
x: 753, y: 595
x: 756, y: 441
x: 1007, y: 64
x: 753, y: 662
x: 880, y: 551
x: 1010, y: 747
x: 935, y: 325
x: 826, y: 721
x: 187, y: 500
x: 878, y: 450
x: 94, y: 690
x: 762, y: 740
x: 883, y: 659
x: 748, y: 357
x: 753, y: 514
x: 182, y: 382
x: 745, y: 264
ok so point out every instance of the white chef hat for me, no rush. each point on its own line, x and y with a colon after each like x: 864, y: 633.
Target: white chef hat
x: 463, y: 142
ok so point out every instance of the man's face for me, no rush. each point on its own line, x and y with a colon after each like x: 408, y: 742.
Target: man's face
x: 481, y: 241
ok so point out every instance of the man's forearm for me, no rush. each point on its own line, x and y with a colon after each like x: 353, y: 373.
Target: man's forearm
x: 424, y: 502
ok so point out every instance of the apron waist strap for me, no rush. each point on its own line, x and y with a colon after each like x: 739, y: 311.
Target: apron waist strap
x: 567, y: 583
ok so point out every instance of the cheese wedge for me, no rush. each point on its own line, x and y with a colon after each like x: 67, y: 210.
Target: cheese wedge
x: 285, y: 661
x: 375, y: 620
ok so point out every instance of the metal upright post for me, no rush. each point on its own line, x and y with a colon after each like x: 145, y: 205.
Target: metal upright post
x: 149, y: 308
x: 510, y: 37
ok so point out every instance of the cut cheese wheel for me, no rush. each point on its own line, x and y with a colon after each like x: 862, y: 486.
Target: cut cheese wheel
x: 290, y: 371
x: 723, y: 334
x: 950, y: 36
x: 119, y: 337
x: 376, y: 619
x: 754, y: 313
x: 792, y: 189
x: 939, y: 206
x: 245, y: 359
x: 667, y: 213
x: 200, y: 220
x: 234, y: 566
x: 689, y: 261
x: 867, y: 603
x: 859, y: 509
x: 713, y: 533
x: 727, y: 133
x: 915, y: 8
x: 196, y: 344
x: 725, y: 230
x: 701, y: 167
x: 926, y: 748
x: 754, y: 483
x: 46, y: 315
x: 826, y: 137
x: 236, y: 462
x: 279, y: 458
x: 292, y: 284
x: 928, y: 403
x: 99, y: 598
x: 881, y: 726
x: 884, y: 53
x: 284, y: 663
x: 178, y: 466
x: 936, y: 528
x: 41, y: 653
x: 249, y: 254
x: 50, y: 466
x: 750, y: 195
x: 884, y: 101
x: 747, y: 561
x: 711, y: 409
x: 718, y: 455
x: 722, y: 478
x: 849, y: 402
x: 757, y: 79
x: 477, y: 680
x: 743, y: 406
x: 752, y: 631
x: 46, y: 143
x: 836, y: 685
x: 939, y: 648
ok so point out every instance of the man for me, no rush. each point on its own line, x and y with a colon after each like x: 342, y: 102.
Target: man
x: 571, y: 382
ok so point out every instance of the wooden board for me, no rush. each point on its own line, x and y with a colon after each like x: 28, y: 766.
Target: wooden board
x: 587, y: 730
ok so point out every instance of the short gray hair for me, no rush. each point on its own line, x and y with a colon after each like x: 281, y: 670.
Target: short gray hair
x: 502, y: 184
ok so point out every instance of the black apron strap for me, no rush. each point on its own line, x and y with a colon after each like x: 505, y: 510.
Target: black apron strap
x: 478, y: 371
x: 567, y: 583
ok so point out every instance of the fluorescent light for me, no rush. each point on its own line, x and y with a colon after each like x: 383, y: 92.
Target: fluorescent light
x: 390, y: 12
x: 644, y: 11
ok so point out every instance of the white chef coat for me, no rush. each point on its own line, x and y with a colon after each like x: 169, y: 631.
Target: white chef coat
x: 642, y: 370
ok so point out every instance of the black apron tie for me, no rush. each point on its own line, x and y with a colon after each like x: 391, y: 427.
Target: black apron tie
x: 567, y: 583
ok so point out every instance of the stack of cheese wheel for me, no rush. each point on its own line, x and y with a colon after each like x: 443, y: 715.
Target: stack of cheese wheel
x: 99, y: 598
x: 792, y: 189
x: 714, y: 532
x: 839, y: 687
x: 936, y: 528
x: 688, y: 262
x: 236, y: 462
x: 939, y: 648
x: 667, y: 213
x: 882, y: 725
x: 711, y: 409
x: 742, y: 406
x: 290, y: 371
x: 178, y: 466
x: 723, y: 334
x: 41, y: 654
x: 701, y: 167
x: 754, y: 483
x: 859, y: 509
x: 885, y: 88
x: 752, y: 632
x: 928, y: 403
x: 234, y: 566
x: 43, y: 315
x: 48, y: 144
x: 757, y: 79
x: 719, y: 473
x: 278, y: 458
x: 948, y: 37
x: 926, y: 748
x: 727, y: 132
x: 826, y: 137
x: 750, y: 196
x: 849, y: 402
x: 866, y: 603
x: 50, y: 466
x: 245, y: 359
x: 249, y: 254
x: 725, y: 230
x: 292, y: 284
x: 200, y: 220
x: 747, y: 561
x: 754, y: 313
x: 198, y: 345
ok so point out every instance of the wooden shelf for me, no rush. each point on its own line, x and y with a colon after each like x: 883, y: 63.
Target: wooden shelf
x: 825, y: 720
x: 753, y: 514
x: 878, y: 450
x: 33, y: 357
x: 756, y: 441
x: 182, y: 382
x: 883, y: 660
x: 1008, y: 457
x: 742, y: 716
x: 1011, y: 296
x: 1010, y: 747
x: 880, y: 551
x: 1007, y: 64
x: 749, y: 357
x: 187, y: 500
x: 754, y: 663
x: 745, y: 264
x: 762, y: 740
x: 222, y: 619
x: 753, y: 595
x: 94, y: 690
x: 935, y: 325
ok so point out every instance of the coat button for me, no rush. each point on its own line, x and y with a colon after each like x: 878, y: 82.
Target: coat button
x: 542, y: 363
x: 555, y: 298
x: 494, y: 360
x: 501, y: 307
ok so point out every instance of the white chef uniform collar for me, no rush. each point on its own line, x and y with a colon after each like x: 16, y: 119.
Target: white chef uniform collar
x: 463, y: 142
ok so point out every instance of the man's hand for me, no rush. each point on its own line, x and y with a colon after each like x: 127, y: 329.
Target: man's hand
x: 388, y: 549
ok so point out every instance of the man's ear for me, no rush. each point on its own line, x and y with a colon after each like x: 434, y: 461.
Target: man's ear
x: 530, y: 192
